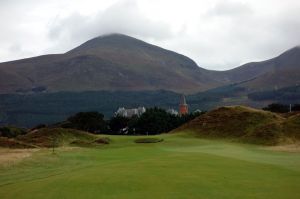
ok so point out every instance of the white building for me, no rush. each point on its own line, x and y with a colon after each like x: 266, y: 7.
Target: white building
x: 172, y: 111
x: 130, y: 112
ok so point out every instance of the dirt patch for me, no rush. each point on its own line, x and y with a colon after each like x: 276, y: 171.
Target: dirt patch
x: 12, y: 156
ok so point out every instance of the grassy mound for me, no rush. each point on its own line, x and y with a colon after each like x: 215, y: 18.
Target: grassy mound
x: 239, y: 122
x: 148, y: 140
x: 291, y: 126
x: 47, y: 137
x: 12, y: 143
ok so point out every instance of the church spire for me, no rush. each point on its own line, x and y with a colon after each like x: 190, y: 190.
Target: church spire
x: 183, y: 101
x: 183, y: 107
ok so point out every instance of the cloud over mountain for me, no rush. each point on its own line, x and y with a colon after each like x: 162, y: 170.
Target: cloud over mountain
x: 217, y: 34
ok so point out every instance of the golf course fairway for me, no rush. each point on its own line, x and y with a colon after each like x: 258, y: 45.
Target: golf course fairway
x: 179, y: 167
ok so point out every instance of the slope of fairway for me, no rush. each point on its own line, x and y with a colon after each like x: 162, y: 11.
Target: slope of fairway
x: 244, y: 124
x: 178, y: 167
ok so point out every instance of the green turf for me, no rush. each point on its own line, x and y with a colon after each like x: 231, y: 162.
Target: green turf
x: 178, y: 167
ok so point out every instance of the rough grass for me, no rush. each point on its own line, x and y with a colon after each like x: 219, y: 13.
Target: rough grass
x: 12, y: 143
x: 179, y: 167
x: 9, y: 157
x: 292, y: 126
x: 244, y: 124
x: 47, y: 137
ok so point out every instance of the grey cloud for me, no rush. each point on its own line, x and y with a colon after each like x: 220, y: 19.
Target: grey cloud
x: 123, y: 17
x: 230, y: 8
x: 235, y: 33
x: 223, y: 35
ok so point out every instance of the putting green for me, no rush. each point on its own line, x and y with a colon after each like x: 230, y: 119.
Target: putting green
x: 178, y: 167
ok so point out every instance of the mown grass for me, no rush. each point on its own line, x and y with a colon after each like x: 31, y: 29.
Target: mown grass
x: 179, y: 167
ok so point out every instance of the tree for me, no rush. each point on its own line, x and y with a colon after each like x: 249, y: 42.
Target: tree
x: 11, y: 132
x: 277, y: 108
x: 117, y: 123
x: 154, y: 121
x: 296, y: 107
x: 88, y: 121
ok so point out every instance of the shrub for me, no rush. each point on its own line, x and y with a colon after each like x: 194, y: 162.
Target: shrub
x: 11, y: 132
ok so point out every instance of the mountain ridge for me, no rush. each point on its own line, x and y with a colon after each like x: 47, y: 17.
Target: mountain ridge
x: 121, y: 62
x: 114, y: 62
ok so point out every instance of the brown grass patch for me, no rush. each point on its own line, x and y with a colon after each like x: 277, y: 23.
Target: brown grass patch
x: 12, y: 156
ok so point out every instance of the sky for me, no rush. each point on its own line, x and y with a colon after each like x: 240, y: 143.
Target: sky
x: 216, y: 34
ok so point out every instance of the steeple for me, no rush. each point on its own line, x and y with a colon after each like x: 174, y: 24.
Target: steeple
x: 183, y: 107
x: 182, y: 100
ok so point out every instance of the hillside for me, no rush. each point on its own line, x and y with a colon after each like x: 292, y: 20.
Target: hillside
x: 278, y: 72
x: 110, y: 62
x: 119, y: 62
x: 244, y: 124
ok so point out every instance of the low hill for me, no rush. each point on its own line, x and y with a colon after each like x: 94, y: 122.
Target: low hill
x: 47, y: 137
x: 244, y: 124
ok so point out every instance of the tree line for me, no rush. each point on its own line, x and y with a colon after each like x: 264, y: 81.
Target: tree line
x: 282, y: 108
x: 153, y: 121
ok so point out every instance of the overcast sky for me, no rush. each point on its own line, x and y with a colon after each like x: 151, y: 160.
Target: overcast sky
x: 217, y: 34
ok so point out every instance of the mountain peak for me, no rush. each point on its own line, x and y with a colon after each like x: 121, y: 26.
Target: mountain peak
x: 113, y: 35
x: 115, y: 40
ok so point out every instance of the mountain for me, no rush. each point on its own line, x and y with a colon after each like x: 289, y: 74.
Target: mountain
x: 110, y: 62
x: 116, y: 70
x: 119, y: 62
x: 279, y: 72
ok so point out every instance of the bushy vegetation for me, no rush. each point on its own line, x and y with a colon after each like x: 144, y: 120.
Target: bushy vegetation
x: 153, y: 121
x: 11, y: 132
x: 281, y: 108
x: 118, y: 122
x: 87, y: 121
